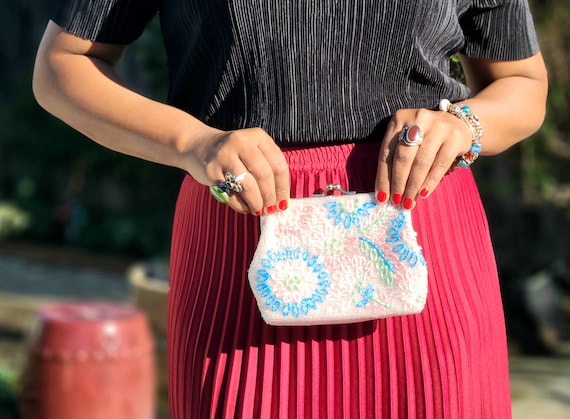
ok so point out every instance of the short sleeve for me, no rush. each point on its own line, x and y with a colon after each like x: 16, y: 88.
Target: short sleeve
x: 109, y: 21
x: 499, y: 30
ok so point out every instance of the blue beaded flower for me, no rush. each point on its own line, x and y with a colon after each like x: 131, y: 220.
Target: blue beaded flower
x: 314, y: 267
x: 368, y: 295
x: 403, y: 251
x: 340, y: 215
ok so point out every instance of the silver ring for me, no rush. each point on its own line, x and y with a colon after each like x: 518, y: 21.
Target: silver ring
x: 233, y: 183
x: 411, y: 135
x: 221, y: 190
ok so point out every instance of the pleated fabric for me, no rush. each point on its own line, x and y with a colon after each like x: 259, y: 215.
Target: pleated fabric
x: 310, y: 72
x: 448, y: 362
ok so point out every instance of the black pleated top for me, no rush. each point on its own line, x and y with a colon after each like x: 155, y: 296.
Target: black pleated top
x: 310, y: 72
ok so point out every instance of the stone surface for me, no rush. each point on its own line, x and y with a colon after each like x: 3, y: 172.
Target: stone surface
x: 540, y: 387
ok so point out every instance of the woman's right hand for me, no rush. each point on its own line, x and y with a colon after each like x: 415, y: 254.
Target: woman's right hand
x: 265, y: 186
x: 70, y: 69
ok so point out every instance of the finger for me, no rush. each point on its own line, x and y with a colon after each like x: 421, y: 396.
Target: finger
x: 228, y: 191
x: 404, y: 157
x: 421, y: 166
x: 446, y: 143
x: 385, y: 157
x: 274, y: 156
x: 239, y: 205
x: 250, y: 198
x: 265, y: 200
x: 442, y: 162
x: 269, y: 168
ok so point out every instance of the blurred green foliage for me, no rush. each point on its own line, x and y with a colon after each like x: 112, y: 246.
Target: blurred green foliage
x: 74, y: 190
x: 536, y: 172
x: 12, y: 220
x: 8, y: 394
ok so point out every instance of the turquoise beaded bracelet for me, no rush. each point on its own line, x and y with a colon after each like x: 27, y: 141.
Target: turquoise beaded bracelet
x: 463, y: 112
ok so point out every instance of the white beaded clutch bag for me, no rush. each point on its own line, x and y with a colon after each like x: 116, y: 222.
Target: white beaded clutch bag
x: 337, y: 259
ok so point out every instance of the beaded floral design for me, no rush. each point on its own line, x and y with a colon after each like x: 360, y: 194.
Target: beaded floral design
x: 367, y: 295
x: 311, y: 290
x: 404, y: 252
x: 338, y: 212
x: 381, y: 263
x: 336, y: 258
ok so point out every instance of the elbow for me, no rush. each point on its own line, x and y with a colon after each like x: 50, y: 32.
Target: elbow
x: 541, y: 97
x: 45, y: 75
x: 49, y: 81
x: 49, y: 86
x: 49, y: 78
x: 541, y: 103
x: 43, y: 83
x: 38, y: 90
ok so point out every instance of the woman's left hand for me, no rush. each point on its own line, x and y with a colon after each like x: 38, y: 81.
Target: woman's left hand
x: 406, y: 172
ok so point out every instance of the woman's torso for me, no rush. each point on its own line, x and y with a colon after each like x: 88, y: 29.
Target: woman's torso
x: 311, y: 72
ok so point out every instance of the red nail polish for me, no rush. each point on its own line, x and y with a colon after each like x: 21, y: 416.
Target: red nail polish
x: 397, y: 198
x: 382, y: 196
x: 259, y: 212
x: 408, y: 202
x: 271, y: 209
x: 424, y: 192
x: 283, y: 205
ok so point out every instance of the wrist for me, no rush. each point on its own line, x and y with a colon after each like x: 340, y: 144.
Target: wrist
x: 471, y: 120
x: 192, y: 136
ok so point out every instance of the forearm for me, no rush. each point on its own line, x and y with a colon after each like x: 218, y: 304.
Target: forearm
x: 506, y: 115
x: 508, y: 97
x: 74, y: 79
x: 86, y: 93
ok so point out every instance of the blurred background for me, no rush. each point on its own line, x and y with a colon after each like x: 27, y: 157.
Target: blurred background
x: 79, y: 222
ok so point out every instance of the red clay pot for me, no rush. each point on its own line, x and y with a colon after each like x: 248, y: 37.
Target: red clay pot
x: 90, y: 361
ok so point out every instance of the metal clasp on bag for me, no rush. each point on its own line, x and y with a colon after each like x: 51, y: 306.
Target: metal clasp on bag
x: 334, y: 187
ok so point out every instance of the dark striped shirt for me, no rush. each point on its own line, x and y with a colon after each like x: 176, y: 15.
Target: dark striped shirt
x: 311, y: 72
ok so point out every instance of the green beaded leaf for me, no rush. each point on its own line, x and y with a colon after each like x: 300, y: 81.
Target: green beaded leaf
x: 381, y: 264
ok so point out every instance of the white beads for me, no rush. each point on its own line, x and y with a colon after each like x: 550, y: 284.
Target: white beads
x: 444, y: 105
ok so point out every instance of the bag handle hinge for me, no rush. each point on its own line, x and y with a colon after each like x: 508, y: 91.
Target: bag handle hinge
x: 334, y: 187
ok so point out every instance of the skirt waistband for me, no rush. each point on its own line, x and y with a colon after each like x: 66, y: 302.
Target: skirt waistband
x: 331, y: 156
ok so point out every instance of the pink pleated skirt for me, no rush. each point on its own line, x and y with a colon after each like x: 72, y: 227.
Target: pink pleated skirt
x: 448, y: 362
